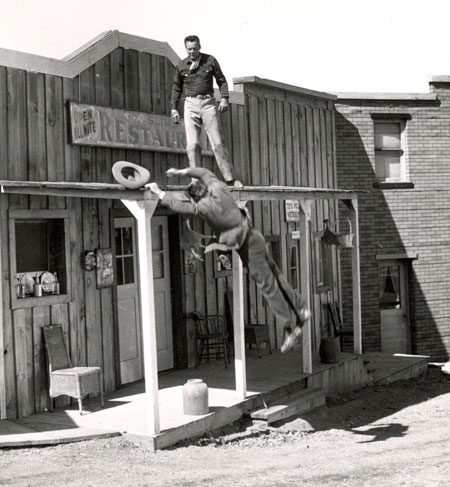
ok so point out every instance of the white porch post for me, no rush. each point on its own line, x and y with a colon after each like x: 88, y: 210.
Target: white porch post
x: 143, y: 211
x: 305, y: 265
x: 238, y: 323
x: 356, y: 278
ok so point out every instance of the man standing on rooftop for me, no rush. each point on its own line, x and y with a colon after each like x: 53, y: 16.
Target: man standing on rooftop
x: 195, y: 74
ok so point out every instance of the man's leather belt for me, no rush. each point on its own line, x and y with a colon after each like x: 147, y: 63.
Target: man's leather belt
x: 200, y: 97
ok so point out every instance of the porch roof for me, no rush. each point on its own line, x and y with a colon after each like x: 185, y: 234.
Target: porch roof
x: 116, y: 191
x: 142, y: 204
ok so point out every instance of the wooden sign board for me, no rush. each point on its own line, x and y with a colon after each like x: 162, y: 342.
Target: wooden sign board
x: 96, y: 125
x: 292, y: 208
x: 104, y: 268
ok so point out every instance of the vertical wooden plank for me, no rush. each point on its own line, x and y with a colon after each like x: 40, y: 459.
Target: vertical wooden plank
x: 317, y: 161
x: 143, y: 211
x: 37, y: 154
x: 169, y: 71
x: 103, y: 169
x: 77, y: 315
x: 245, y: 143
x: 210, y: 284
x: 59, y: 315
x: 144, y: 70
x: 238, y: 323
x: 8, y: 396
x: 41, y: 399
x: 55, y: 134
x: 145, y: 103
x: 278, y: 176
x: 324, y: 162
x: 255, y: 179
x: 305, y: 259
x: 311, y: 181
x: 237, y: 138
x: 132, y: 93
x: 24, y: 361
x: 338, y: 293
x: 116, y: 61
x: 90, y: 233
x: 303, y: 140
x: 17, y: 133
x: 290, y: 141
x: 295, y: 172
x: 268, y: 153
x: 158, y: 95
x: 356, y: 279
x: 131, y: 79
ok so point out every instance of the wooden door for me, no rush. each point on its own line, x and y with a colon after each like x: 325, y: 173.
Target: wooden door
x: 130, y: 332
x: 161, y: 283
x: 129, y: 322
x: 394, y: 309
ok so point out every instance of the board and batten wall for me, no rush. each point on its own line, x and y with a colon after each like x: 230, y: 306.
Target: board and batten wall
x: 275, y: 136
x: 292, y: 142
x: 34, y: 145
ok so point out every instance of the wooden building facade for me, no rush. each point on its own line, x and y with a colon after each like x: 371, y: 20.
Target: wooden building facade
x: 277, y: 134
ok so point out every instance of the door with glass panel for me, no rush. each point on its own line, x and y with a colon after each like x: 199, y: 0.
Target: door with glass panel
x: 129, y: 322
x: 130, y: 332
x: 394, y: 308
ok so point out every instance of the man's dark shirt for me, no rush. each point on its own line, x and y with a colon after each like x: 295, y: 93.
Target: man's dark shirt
x: 198, y: 81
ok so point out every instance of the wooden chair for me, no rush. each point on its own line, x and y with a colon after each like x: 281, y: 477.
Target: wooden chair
x: 65, y: 379
x: 211, y: 338
x: 254, y: 333
x: 339, y: 329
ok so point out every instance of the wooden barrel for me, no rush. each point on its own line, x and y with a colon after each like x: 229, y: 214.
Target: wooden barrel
x: 329, y: 350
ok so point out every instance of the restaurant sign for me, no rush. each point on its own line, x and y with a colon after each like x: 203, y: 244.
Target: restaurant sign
x: 113, y: 127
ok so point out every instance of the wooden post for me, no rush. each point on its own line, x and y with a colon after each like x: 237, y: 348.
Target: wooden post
x: 238, y: 323
x: 305, y: 265
x: 143, y: 211
x: 356, y: 277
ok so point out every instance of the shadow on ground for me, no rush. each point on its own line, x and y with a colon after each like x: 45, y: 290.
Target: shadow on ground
x: 354, y: 412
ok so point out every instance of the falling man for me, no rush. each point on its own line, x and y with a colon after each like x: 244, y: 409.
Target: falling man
x: 211, y: 200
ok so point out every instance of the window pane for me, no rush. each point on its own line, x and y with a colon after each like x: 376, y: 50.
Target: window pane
x: 390, y: 295
x: 293, y: 268
x: 319, y: 262
x: 127, y: 235
x: 119, y: 270
x: 128, y: 270
x: 388, y: 167
x: 118, y: 239
x: 387, y: 135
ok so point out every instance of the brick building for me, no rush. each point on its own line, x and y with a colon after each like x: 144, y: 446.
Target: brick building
x: 396, y: 149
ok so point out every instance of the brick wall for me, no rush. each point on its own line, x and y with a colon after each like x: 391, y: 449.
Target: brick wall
x: 413, y: 221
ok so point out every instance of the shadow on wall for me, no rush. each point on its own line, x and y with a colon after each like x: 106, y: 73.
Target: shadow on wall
x: 389, y: 223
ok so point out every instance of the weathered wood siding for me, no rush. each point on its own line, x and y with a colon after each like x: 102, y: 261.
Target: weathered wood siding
x: 276, y: 137
x: 34, y: 145
x: 291, y: 142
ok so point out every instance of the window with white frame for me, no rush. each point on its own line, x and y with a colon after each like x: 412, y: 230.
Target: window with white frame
x: 390, y: 165
x: 323, y: 263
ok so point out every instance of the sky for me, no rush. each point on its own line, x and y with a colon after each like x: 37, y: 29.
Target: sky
x: 323, y: 45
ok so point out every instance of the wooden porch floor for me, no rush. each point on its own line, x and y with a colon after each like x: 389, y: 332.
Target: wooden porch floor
x: 125, y: 412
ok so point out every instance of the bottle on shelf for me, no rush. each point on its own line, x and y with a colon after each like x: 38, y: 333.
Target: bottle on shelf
x: 56, y: 286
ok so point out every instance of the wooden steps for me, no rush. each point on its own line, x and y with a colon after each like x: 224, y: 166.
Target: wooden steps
x: 300, y: 403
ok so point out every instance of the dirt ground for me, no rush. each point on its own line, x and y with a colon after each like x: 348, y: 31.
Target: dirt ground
x: 383, y: 435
